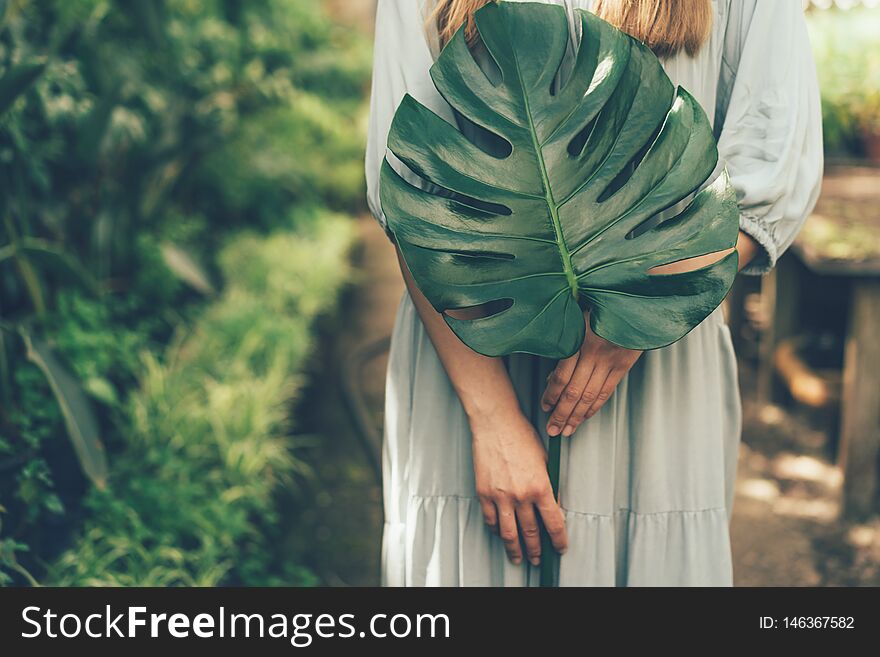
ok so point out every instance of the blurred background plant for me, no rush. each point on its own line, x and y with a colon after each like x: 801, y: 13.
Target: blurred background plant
x: 846, y: 47
x: 174, y: 178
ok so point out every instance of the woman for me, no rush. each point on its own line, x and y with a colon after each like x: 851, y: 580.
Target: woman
x: 650, y: 439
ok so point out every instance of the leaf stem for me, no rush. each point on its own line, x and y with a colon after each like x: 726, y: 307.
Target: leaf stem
x: 549, y: 556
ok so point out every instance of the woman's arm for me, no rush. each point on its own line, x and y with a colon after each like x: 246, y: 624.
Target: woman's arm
x: 482, y: 383
x: 770, y: 138
x: 747, y: 248
x: 509, y: 457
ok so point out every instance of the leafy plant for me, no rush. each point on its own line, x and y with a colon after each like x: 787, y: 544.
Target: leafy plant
x: 551, y: 213
x: 136, y: 140
x: 193, y: 504
x: 548, y: 226
x: 848, y: 68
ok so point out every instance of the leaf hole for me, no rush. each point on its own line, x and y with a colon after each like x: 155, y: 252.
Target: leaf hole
x: 576, y: 145
x: 689, y: 264
x: 645, y: 226
x: 487, y: 141
x: 467, y: 257
x: 627, y: 172
x: 480, y: 311
x: 565, y: 68
x: 470, y: 201
x: 494, y: 255
x: 485, y: 61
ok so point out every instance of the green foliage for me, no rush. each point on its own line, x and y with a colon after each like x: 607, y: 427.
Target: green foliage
x: 17, y: 80
x: 304, y: 152
x: 545, y: 221
x: 137, y: 140
x: 192, y: 504
x: 848, y: 66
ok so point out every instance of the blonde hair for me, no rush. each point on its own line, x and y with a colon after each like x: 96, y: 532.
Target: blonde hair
x: 665, y: 26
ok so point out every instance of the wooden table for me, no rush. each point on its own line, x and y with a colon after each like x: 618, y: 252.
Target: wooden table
x: 842, y: 239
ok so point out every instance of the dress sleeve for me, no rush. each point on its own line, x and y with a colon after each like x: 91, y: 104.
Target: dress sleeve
x: 402, y: 58
x: 771, y: 140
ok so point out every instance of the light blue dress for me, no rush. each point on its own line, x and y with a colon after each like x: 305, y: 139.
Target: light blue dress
x: 647, y: 483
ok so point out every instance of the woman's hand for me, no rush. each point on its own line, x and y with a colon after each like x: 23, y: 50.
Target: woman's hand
x: 509, y: 459
x: 510, y: 464
x: 581, y: 384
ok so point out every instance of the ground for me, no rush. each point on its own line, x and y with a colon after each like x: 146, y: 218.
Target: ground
x: 785, y: 530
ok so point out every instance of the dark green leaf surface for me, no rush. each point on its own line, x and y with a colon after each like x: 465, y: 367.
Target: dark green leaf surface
x: 17, y: 79
x: 546, y: 227
x: 79, y: 418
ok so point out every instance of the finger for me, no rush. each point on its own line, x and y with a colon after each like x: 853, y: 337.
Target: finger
x: 554, y: 521
x: 557, y: 381
x: 588, y: 397
x: 570, y: 396
x: 614, y: 377
x: 577, y: 416
x: 531, y: 534
x: 490, y: 514
x: 509, y: 533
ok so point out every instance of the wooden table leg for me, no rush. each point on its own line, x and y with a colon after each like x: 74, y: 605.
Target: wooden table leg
x: 735, y: 309
x: 780, y: 292
x: 860, y: 422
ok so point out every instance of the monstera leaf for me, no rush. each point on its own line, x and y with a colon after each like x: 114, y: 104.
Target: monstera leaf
x: 559, y: 222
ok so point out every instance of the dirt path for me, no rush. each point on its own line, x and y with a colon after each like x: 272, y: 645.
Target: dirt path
x: 335, y: 516
x: 784, y: 531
